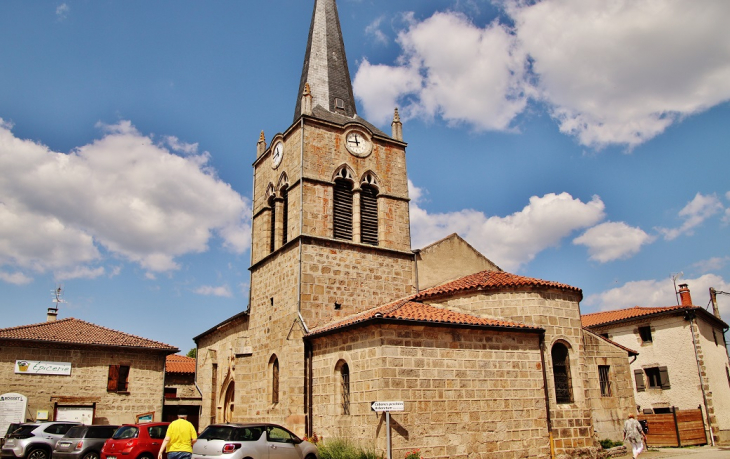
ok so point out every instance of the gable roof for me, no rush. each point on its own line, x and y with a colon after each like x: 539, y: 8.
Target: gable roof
x: 179, y: 364
x: 597, y: 319
x: 631, y: 352
x: 493, y: 280
x: 412, y: 312
x: 79, y: 332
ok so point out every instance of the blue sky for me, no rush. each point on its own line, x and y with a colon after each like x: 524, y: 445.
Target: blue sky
x: 579, y: 141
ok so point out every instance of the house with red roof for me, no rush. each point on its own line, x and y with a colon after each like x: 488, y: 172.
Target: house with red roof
x: 73, y: 370
x: 180, y: 389
x: 682, y: 362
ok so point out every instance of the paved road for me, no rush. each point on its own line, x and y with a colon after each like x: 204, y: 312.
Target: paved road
x: 702, y: 452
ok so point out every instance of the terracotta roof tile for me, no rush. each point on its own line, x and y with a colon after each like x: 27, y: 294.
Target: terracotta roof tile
x: 492, y: 280
x: 411, y: 311
x: 607, y: 317
x: 179, y: 364
x: 75, y: 331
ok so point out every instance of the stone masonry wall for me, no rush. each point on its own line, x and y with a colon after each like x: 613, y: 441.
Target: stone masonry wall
x: 611, y: 410
x: 88, y: 381
x: 474, y: 394
x: 714, y: 363
x: 558, y: 313
x: 355, y: 277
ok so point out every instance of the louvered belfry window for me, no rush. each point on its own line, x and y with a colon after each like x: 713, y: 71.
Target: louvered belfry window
x: 369, y: 215
x: 272, y: 230
x: 343, y: 209
x: 284, y: 214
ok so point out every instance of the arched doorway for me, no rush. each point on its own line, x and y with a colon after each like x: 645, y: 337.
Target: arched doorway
x: 228, y: 404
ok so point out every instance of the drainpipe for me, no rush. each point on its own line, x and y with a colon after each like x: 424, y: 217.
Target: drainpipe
x: 547, y: 395
x: 691, y: 317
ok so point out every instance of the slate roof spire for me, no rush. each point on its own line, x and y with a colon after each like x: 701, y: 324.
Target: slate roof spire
x: 325, y: 64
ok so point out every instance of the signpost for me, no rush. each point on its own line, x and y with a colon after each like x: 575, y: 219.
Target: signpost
x: 12, y: 410
x: 379, y: 407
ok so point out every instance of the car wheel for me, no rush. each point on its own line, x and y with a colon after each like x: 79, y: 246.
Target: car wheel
x: 37, y: 453
x: 145, y: 456
x: 91, y: 455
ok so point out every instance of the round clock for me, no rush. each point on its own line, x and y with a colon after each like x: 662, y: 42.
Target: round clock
x: 277, y: 153
x: 358, y: 144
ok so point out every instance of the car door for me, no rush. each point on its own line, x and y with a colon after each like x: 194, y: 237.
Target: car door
x: 281, y: 444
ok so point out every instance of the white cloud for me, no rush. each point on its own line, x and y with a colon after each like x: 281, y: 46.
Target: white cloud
x: 122, y: 192
x: 80, y: 272
x: 449, y: 68
x: 713, y: 264
x: 513, y: 240
x: 611, y: 241
x: 726, y: 218
x: 658, y: 293
x: 208, y: 290
x: 616, y: 72
x: 373, y: 29
x: 62, y: 11
x: 694, y: 214
x: 16, y: 278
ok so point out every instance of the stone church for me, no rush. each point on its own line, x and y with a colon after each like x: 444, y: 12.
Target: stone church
x: 343, y: 312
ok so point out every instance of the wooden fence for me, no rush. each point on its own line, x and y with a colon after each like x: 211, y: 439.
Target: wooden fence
x: 680, y: 428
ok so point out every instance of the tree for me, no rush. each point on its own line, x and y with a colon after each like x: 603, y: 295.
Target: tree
x: 193, y: 352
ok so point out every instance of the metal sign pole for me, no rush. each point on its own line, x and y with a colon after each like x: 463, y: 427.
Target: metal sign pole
x: 387, y: 418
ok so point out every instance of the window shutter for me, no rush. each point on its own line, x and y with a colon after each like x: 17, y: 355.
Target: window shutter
x: 343, y: 210
x: 664, y: 377
x: 111, y: 384
x: 369, y: 215
x: 639, y: 377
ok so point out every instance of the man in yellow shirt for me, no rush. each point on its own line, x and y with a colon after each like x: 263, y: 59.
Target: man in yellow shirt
x: 180, y: 438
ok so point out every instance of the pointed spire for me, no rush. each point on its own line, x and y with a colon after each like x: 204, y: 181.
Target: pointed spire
x: 261, y: 145
x: 325, y: 64
x: 307, y: 100
x: 397, y: 126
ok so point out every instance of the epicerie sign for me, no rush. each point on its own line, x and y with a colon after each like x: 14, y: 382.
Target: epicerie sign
x: 37, y: 367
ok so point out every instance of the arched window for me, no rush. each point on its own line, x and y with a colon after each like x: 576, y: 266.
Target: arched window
x: 369, y: 210
x: 272, y: 229
x: 274, y: 366
x: 343, y: 205
x: 284, y: 214
x: 343, y: 372
x: 561, y: 373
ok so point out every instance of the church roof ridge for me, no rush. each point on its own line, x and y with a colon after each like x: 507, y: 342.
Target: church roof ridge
x: 492, y: 280
x: 407, y: 310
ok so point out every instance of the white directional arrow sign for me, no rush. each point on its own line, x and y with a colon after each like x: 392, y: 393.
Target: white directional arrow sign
x: 387, y: 406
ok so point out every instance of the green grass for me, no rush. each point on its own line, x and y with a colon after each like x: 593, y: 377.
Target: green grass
x: 606, y: 444
x: 342, y: 449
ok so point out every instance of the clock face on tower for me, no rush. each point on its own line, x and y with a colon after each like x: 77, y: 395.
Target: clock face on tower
x: 358, y: 143
x: 277, y: 153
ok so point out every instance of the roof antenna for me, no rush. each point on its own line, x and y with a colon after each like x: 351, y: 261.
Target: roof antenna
x: 53, y: 312
x: 676, y: 276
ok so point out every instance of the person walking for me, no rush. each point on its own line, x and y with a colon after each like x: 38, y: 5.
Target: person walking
x: 634, y: 435
x: 180, y: 438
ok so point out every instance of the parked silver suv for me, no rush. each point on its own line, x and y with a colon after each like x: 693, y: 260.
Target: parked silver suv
x: 35, y: 441
x: 83, y: 442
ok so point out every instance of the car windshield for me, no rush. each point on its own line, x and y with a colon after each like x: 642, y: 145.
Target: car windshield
x: 24, y: 431
x: 126, y: 432
x: 75, y: 432
x: 232, y: 433
x: 100, y: 431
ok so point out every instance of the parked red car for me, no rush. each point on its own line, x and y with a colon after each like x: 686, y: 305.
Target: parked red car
x: 135, y: 441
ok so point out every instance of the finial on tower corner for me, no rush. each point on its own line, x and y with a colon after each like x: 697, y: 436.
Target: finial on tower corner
x: 397, y: 126
x: 307, y: 100
x: 261, y: 145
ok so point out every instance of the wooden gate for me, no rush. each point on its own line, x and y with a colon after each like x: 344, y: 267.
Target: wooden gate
x: 680, y: 428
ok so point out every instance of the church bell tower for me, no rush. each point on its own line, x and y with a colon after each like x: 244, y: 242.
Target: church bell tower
x: 331, y: 229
